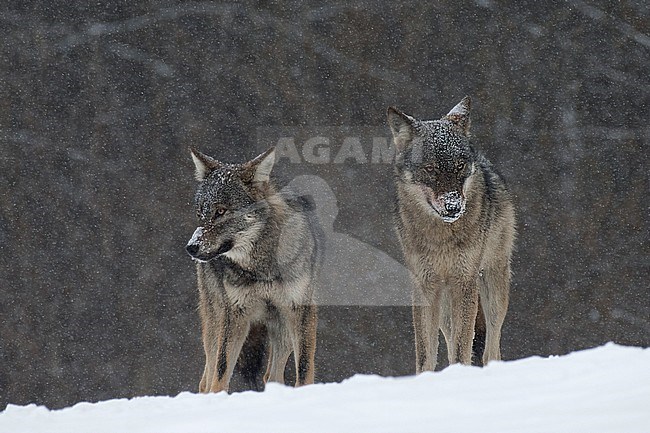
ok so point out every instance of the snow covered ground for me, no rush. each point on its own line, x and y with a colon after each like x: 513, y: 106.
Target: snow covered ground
x: 606, y: 389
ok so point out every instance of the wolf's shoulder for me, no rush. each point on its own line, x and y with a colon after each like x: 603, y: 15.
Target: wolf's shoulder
x: 495, y: 186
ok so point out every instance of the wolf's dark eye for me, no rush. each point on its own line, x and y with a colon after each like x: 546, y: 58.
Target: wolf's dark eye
x: 220, y: 211
x: 430, y: 168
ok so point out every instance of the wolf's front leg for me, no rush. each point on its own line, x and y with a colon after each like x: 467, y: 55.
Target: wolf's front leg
x: 304, y: 342
x: 426, y: 338
x: 210, y: 335
x: 279, y: 350
x: 426, y: 319
x: 232, y: 335
x: 494, y: 292
x: 464, y: 307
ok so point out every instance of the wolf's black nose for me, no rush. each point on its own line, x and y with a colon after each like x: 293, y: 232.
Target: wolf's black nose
x: 192, y: 249
x: 452, y: 208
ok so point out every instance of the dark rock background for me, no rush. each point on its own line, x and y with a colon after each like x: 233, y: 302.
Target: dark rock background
x: 98, y: 104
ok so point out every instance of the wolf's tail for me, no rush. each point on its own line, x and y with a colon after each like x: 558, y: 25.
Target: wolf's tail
x: 251, y: 359
x: 478, y: 345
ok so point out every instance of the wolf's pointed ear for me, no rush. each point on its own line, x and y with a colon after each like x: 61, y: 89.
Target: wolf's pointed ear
x: 203, y: 164
x: 459, y: 115
x: 259, y: 169
x: 402, y: 127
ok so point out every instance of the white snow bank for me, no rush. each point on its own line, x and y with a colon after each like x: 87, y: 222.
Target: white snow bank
x: 606, y: 389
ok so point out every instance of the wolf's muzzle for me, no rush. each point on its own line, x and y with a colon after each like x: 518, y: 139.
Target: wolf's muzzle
x: 225, y: 247
x: 192, y: 249
x: 199, y: 250
x: 194, y: 245
x: 453, y: 203
x: 453, y: 206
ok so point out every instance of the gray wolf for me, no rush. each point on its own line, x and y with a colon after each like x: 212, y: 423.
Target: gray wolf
x: 455, y: 221
x: 256, y: 253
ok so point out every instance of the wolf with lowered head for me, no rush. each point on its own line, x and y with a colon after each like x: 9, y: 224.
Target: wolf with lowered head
x: 456, y: 226
x: 256, y: 253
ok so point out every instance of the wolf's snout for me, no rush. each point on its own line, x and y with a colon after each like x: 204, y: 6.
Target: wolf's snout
x: 194, y: 244
x: 454, y: 206
x: 192, y: 249
x: 225, y: 247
